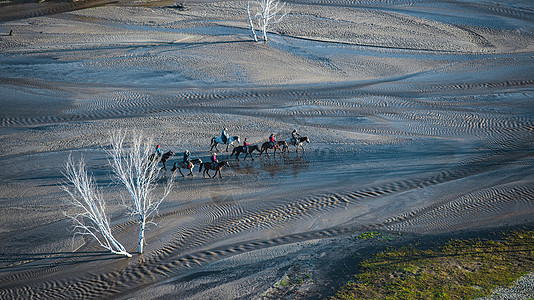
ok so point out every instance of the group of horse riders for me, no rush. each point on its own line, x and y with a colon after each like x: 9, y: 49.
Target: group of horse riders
x: 224, y: 137
x: 186, y: 161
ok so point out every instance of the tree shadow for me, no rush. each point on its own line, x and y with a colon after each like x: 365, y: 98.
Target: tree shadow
x: 33, y: 261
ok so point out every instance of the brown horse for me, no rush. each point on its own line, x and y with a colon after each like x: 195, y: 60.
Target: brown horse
x: 210, y: 166
x: 181, y: 165
x: 267, y: 145
x: 163, y: 159
x: 240, y: 149
x: 282, y: 145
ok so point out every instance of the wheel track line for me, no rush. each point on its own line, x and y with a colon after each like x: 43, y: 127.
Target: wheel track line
x: 49, y: 9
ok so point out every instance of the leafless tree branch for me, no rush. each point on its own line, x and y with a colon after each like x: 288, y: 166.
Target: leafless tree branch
x: 266, y: 13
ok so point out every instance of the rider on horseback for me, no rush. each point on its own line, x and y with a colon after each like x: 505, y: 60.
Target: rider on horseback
x: 294, y: 137
x: 272, y: 140
x: 214, y: 160
x: 158, y: 150
x: 224, y: 135
x: 245, y: 145
x: 187, y: 157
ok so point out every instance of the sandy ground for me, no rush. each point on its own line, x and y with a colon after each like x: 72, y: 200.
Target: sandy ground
x: 419, y: 113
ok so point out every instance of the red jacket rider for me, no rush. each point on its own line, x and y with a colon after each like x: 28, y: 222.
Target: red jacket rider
x: 272, y: 140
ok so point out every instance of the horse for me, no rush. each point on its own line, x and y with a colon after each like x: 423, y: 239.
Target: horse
x: 282, y: 145
x: 267, y: 145
x: 181, y: 165
x: 240, y: 149
x: 218, y: 140
x: 163, y: 159
x: 209, y: 166
x: 299, y: 142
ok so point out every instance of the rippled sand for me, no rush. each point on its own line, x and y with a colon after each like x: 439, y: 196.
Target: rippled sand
x: 419, y: 113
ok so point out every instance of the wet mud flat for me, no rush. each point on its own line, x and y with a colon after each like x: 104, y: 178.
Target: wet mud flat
x: 422, y: 136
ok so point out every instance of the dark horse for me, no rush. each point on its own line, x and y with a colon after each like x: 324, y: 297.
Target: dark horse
x: 218, y: 140
x: 267, y: 145
x: 181, y: 165
x: 240, y: 149
x: 163, y: 159
x: 209, y: 166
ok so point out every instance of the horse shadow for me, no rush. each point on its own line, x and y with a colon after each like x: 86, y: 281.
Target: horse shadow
x: 244, y: 167
x: 271, y: 166
x: 297, y: 163
x: 286, y: 163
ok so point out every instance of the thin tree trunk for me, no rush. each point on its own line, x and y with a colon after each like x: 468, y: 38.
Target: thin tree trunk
x: 264, y: 34
x: 266, y: 10
x: 251, y: 23
x: 141, y: 236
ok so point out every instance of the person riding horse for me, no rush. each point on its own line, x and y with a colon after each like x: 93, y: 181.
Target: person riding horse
x: 272, y: 140
x: 158, y: 150
x: 224, y: 135
x: 294, y: 137
x: 245, y: 145
x: 214, y: 160
x: 187, y: 158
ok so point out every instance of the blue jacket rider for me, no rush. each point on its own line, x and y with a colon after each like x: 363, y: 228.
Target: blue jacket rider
x: 187, y: 157
x: 224, y: 135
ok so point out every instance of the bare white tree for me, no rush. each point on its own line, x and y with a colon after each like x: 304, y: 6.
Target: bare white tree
x: 92, y: 220
x: 266, y: 13
x: 138, y: 172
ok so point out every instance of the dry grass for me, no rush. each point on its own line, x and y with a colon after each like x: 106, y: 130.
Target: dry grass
x: 462, y: 269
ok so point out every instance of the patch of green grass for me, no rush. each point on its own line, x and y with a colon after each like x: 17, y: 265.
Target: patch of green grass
x: 295, y: 279
x: 462, y: 269
x: 369, y: 235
